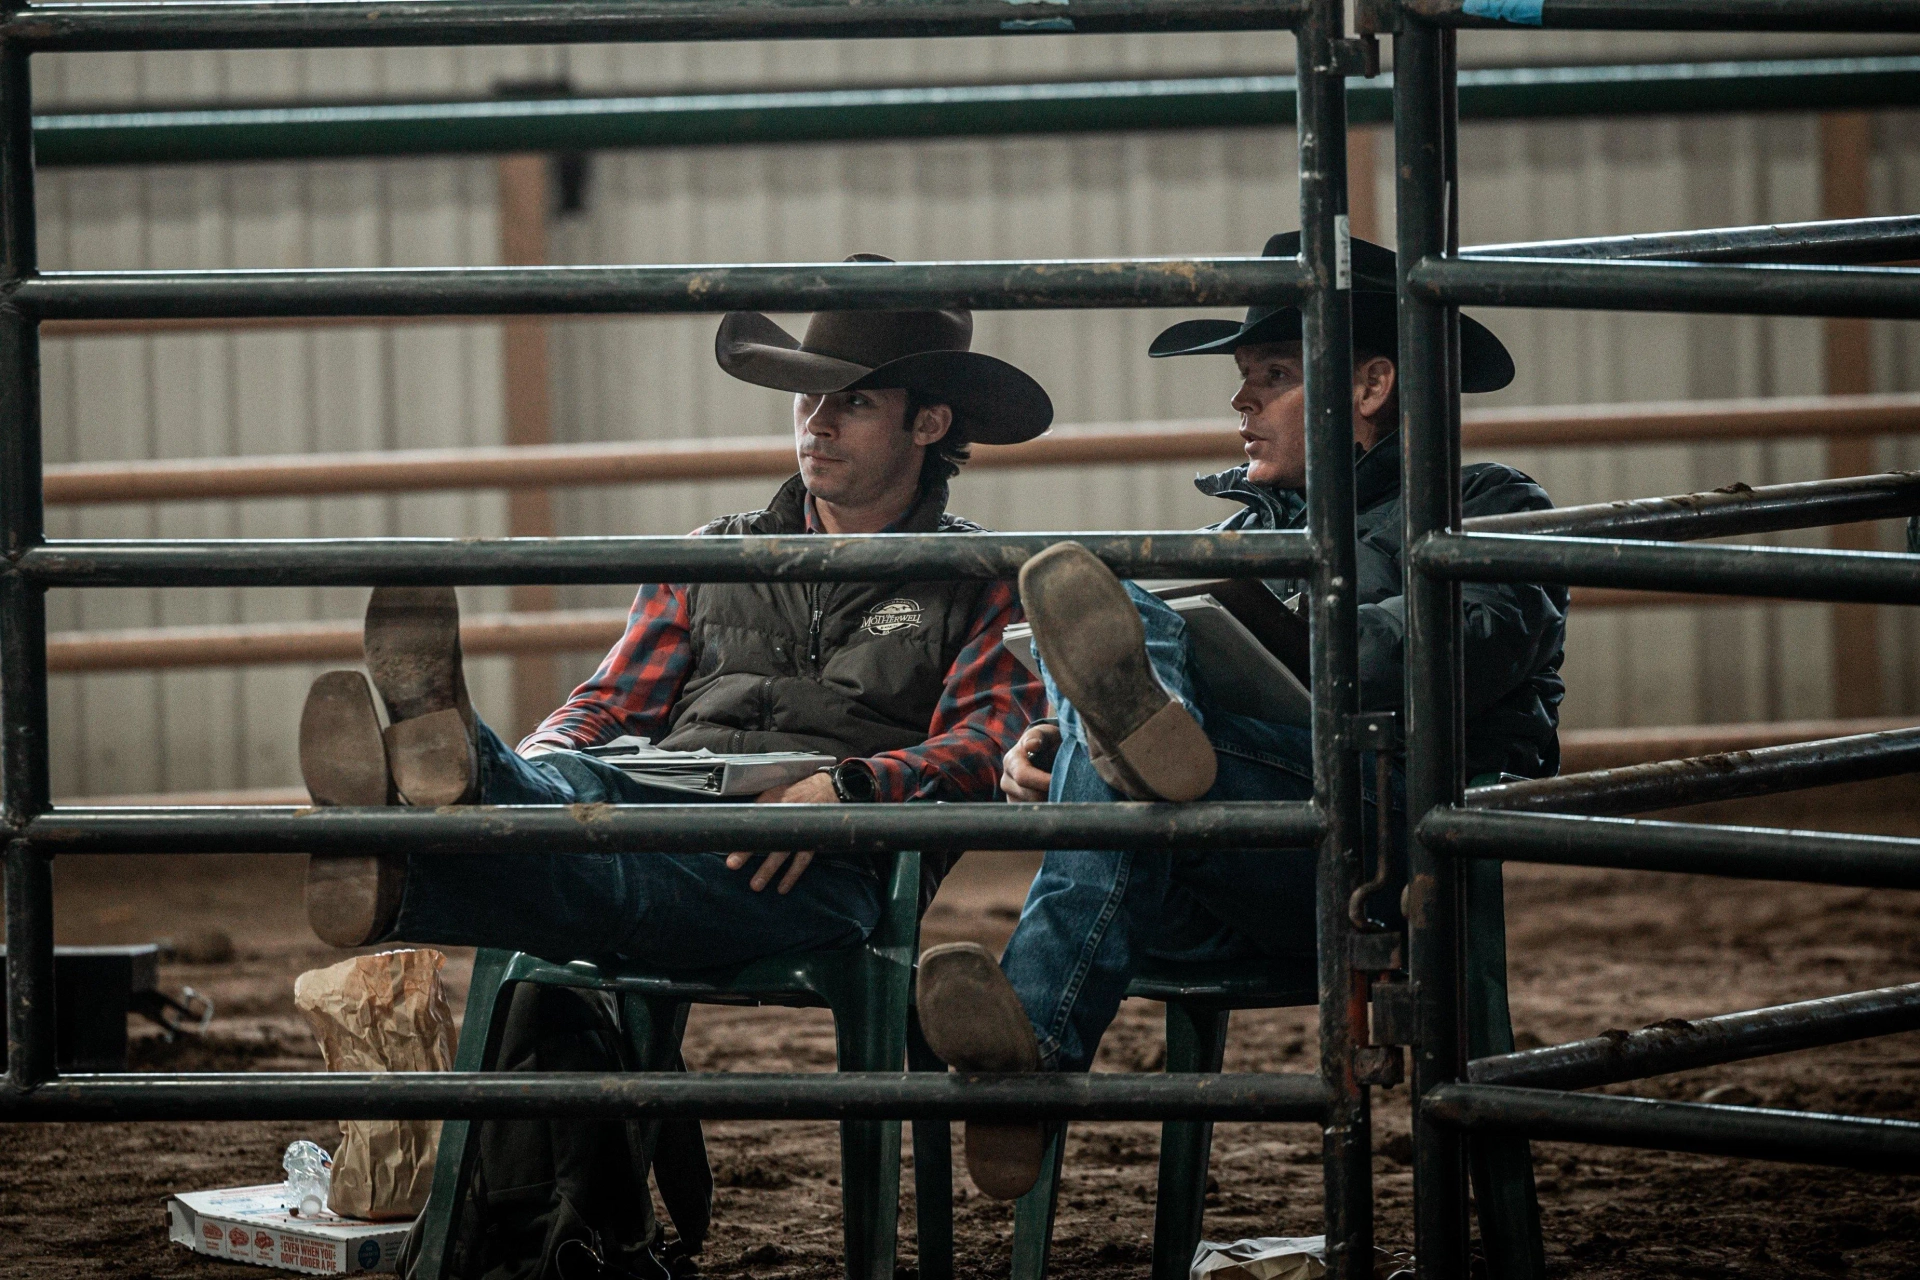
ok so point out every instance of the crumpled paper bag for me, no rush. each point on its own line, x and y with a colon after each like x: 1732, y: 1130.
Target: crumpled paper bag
x: 385, y: 1012
x: 1265, y: 1258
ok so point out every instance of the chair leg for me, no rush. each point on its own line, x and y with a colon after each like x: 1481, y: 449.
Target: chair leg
x: 1196, y: 1041
x: 1033, y: 1212
x: 932, y: 1172
x: 453, y: 1165
x: 1502, y: 1166
x: 870, y: 1028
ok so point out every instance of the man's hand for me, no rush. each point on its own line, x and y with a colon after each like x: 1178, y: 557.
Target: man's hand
x: 815, y: 788
x: 1026, y: 770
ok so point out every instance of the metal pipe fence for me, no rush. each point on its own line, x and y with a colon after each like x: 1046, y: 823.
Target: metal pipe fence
x: 1639, y: 545
x: 1452, y: 1114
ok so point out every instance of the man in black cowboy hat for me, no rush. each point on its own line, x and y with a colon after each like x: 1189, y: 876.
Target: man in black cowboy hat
x: 1137, y: 722
x: 906, y: 684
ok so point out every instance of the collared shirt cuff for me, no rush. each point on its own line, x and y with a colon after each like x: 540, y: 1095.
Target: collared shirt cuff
x: 893, y: 780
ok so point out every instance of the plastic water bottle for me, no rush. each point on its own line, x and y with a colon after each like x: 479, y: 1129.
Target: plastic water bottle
x: 309, y: 1178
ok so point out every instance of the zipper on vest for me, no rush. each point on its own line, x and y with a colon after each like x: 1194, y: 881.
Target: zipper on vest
x: 813, y: 630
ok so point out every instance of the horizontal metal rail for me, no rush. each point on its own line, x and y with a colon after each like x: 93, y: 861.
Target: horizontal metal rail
x: 1676, y: 15
x: 845, y: 1095
x: 1588, y: 750
x: 1788, y: 573
x: 272, y: 24
x: 481, y: 635
x: 688, y: 828
x: 1747, y: 289
x: 1733, y: 775
x: 374, y: 129
x: 1733, y: 510
x: 1685, y: 1044
x: 658, y: 461
x: 1626, y: 844
x: 1845, y: 240
x: 1754, y: 1133
x: 434, y: 291
x: 885, y: 557
x: 262, y: 643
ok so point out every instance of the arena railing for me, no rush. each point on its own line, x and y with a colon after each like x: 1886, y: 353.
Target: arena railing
x: 1686, y: 272
x: 1333, y: 1097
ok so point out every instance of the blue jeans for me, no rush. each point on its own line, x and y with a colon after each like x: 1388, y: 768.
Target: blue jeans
x: 1091, y: 916
x: 676, y: 911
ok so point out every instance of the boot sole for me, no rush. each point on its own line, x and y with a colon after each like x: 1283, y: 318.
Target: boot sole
x: 969, y: 1013
x: 974, y: 1021
x: 1089, y: 634
x: 342, y: 757
x: 432, y: 759
x: 412, y: 644
x: 351, y: 900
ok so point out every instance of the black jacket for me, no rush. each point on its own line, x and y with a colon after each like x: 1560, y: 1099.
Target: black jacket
x: 1515, y: 633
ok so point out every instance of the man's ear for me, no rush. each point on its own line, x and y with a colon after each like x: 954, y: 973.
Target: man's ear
x: 1374, y: 380
x: 932, y: 423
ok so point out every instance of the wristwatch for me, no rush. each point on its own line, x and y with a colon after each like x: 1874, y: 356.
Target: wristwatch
x: 853, y: 782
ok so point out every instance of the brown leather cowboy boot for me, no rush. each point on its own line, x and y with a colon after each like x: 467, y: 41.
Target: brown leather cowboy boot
x: 353, y: 899
x: 412, y: 642
x: 973, y: 1020
x: 1141, y: 740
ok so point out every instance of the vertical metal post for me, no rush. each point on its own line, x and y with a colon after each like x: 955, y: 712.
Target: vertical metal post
x: 1328, y: 333
x: 1430, y: 452
x: 23, y: 612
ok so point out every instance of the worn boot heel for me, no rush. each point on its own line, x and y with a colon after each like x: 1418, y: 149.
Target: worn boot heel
x: 433, y: 760
x: 1143, y: 742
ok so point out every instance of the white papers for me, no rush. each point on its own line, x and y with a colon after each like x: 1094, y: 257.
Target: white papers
x: 1241, y: 673
x: 706, y: 772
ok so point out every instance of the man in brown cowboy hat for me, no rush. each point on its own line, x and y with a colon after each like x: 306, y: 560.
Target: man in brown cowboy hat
x: 906, y: 684
x: 1136, y: 720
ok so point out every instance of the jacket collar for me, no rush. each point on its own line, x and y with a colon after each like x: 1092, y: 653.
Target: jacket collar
x: 791, y: 510
x: 1376, y: 478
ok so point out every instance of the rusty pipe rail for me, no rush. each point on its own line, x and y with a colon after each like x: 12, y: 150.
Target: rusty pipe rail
x: 643, y: 462
x: 1681, y: 1044
x: 1734, y: 510
x: 1731, y: 775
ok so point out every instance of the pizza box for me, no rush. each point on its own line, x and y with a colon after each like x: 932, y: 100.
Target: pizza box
x: 253, y: 1224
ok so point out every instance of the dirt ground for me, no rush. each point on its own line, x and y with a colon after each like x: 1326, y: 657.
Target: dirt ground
x: 1590, y: 950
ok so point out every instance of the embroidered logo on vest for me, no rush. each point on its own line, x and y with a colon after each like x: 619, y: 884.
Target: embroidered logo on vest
x: 894, y: 615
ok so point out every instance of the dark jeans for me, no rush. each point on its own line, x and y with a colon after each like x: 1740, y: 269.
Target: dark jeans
x: 676, y: 911
x: 1093, y: 915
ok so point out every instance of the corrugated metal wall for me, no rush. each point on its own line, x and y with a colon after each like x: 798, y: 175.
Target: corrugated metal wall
x: 425, y: 386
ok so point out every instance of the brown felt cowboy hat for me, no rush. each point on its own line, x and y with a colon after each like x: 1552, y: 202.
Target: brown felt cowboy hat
x: 1484, y: 362
x: 922, y: 351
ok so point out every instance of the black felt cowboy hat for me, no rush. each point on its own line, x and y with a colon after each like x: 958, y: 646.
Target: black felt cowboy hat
x: 1484, y: 362
x: 922, y: 351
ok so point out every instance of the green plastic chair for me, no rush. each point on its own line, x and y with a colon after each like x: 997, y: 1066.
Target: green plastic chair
x: 1199, y: 1000
x: 867, y: 988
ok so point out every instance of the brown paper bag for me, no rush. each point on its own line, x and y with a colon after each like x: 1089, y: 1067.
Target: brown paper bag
x: 385, y: 1012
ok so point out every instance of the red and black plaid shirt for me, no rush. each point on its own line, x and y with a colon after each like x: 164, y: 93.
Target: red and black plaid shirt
x: 989, y: 698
